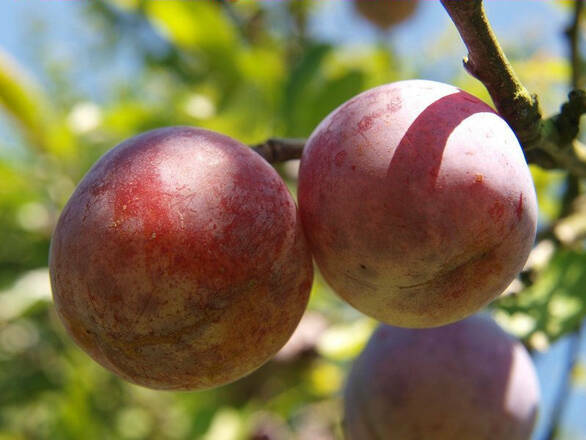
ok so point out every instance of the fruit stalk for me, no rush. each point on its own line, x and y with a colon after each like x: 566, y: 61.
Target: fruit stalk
x: 275, y: 150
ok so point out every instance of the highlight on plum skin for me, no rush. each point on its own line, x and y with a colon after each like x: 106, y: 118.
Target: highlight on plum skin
x: 417, y: 203
x: 468, y: 380
x: 180, y: 262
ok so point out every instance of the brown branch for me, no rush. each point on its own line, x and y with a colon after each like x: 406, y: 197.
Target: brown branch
x: 549, y: 143
x: 277, y: 150
x: 568, y: 120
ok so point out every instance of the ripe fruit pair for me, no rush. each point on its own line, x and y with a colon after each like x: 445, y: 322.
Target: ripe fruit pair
x: 180, y: 261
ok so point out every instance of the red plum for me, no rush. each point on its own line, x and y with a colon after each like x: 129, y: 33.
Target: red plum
x: 417, y: 203
x: 464, y: 381
x: 180, y: 262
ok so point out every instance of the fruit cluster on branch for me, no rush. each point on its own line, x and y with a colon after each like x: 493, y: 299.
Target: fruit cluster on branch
x: 182, y: 262
x: 548, y: 142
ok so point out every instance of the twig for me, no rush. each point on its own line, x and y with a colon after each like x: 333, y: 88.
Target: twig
x: 568, y: 120
x: 277, y: 150
x: 549, y: 143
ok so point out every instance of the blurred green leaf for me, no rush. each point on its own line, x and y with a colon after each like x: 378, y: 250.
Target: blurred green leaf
x: 22, y: 98
x: 548, y: 185
x: 27, y: 290
x: 298, y: 92
x: 194, y: 25
x: 345, y: 341
x: 557, y: 299
x: 202, y: 28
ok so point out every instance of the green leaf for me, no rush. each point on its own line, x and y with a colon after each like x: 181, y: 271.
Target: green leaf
x: 23, y: 100
x: 548, y: 185
x: 199, y: 25
x: 335, y: 92
x: 298, y: 90
x: 557, y: 299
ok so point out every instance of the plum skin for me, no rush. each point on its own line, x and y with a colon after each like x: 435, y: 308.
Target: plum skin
x: 417, y: 203
x: 386, y: 13
x: 180, y: 262
x: 468, y: 380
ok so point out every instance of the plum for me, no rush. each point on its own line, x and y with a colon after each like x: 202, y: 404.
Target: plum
x: 417, y: 203
x: 468, y: 380
x: 386, y: 13
x: 180, y: 262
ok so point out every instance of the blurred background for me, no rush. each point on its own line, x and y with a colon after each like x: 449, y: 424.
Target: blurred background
x: 76, y: 78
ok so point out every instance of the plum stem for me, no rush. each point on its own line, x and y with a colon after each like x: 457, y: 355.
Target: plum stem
x: 276, y: 150
x: 551, y: 142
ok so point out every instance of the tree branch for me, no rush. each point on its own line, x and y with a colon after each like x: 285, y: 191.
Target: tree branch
x: 549, y: 143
